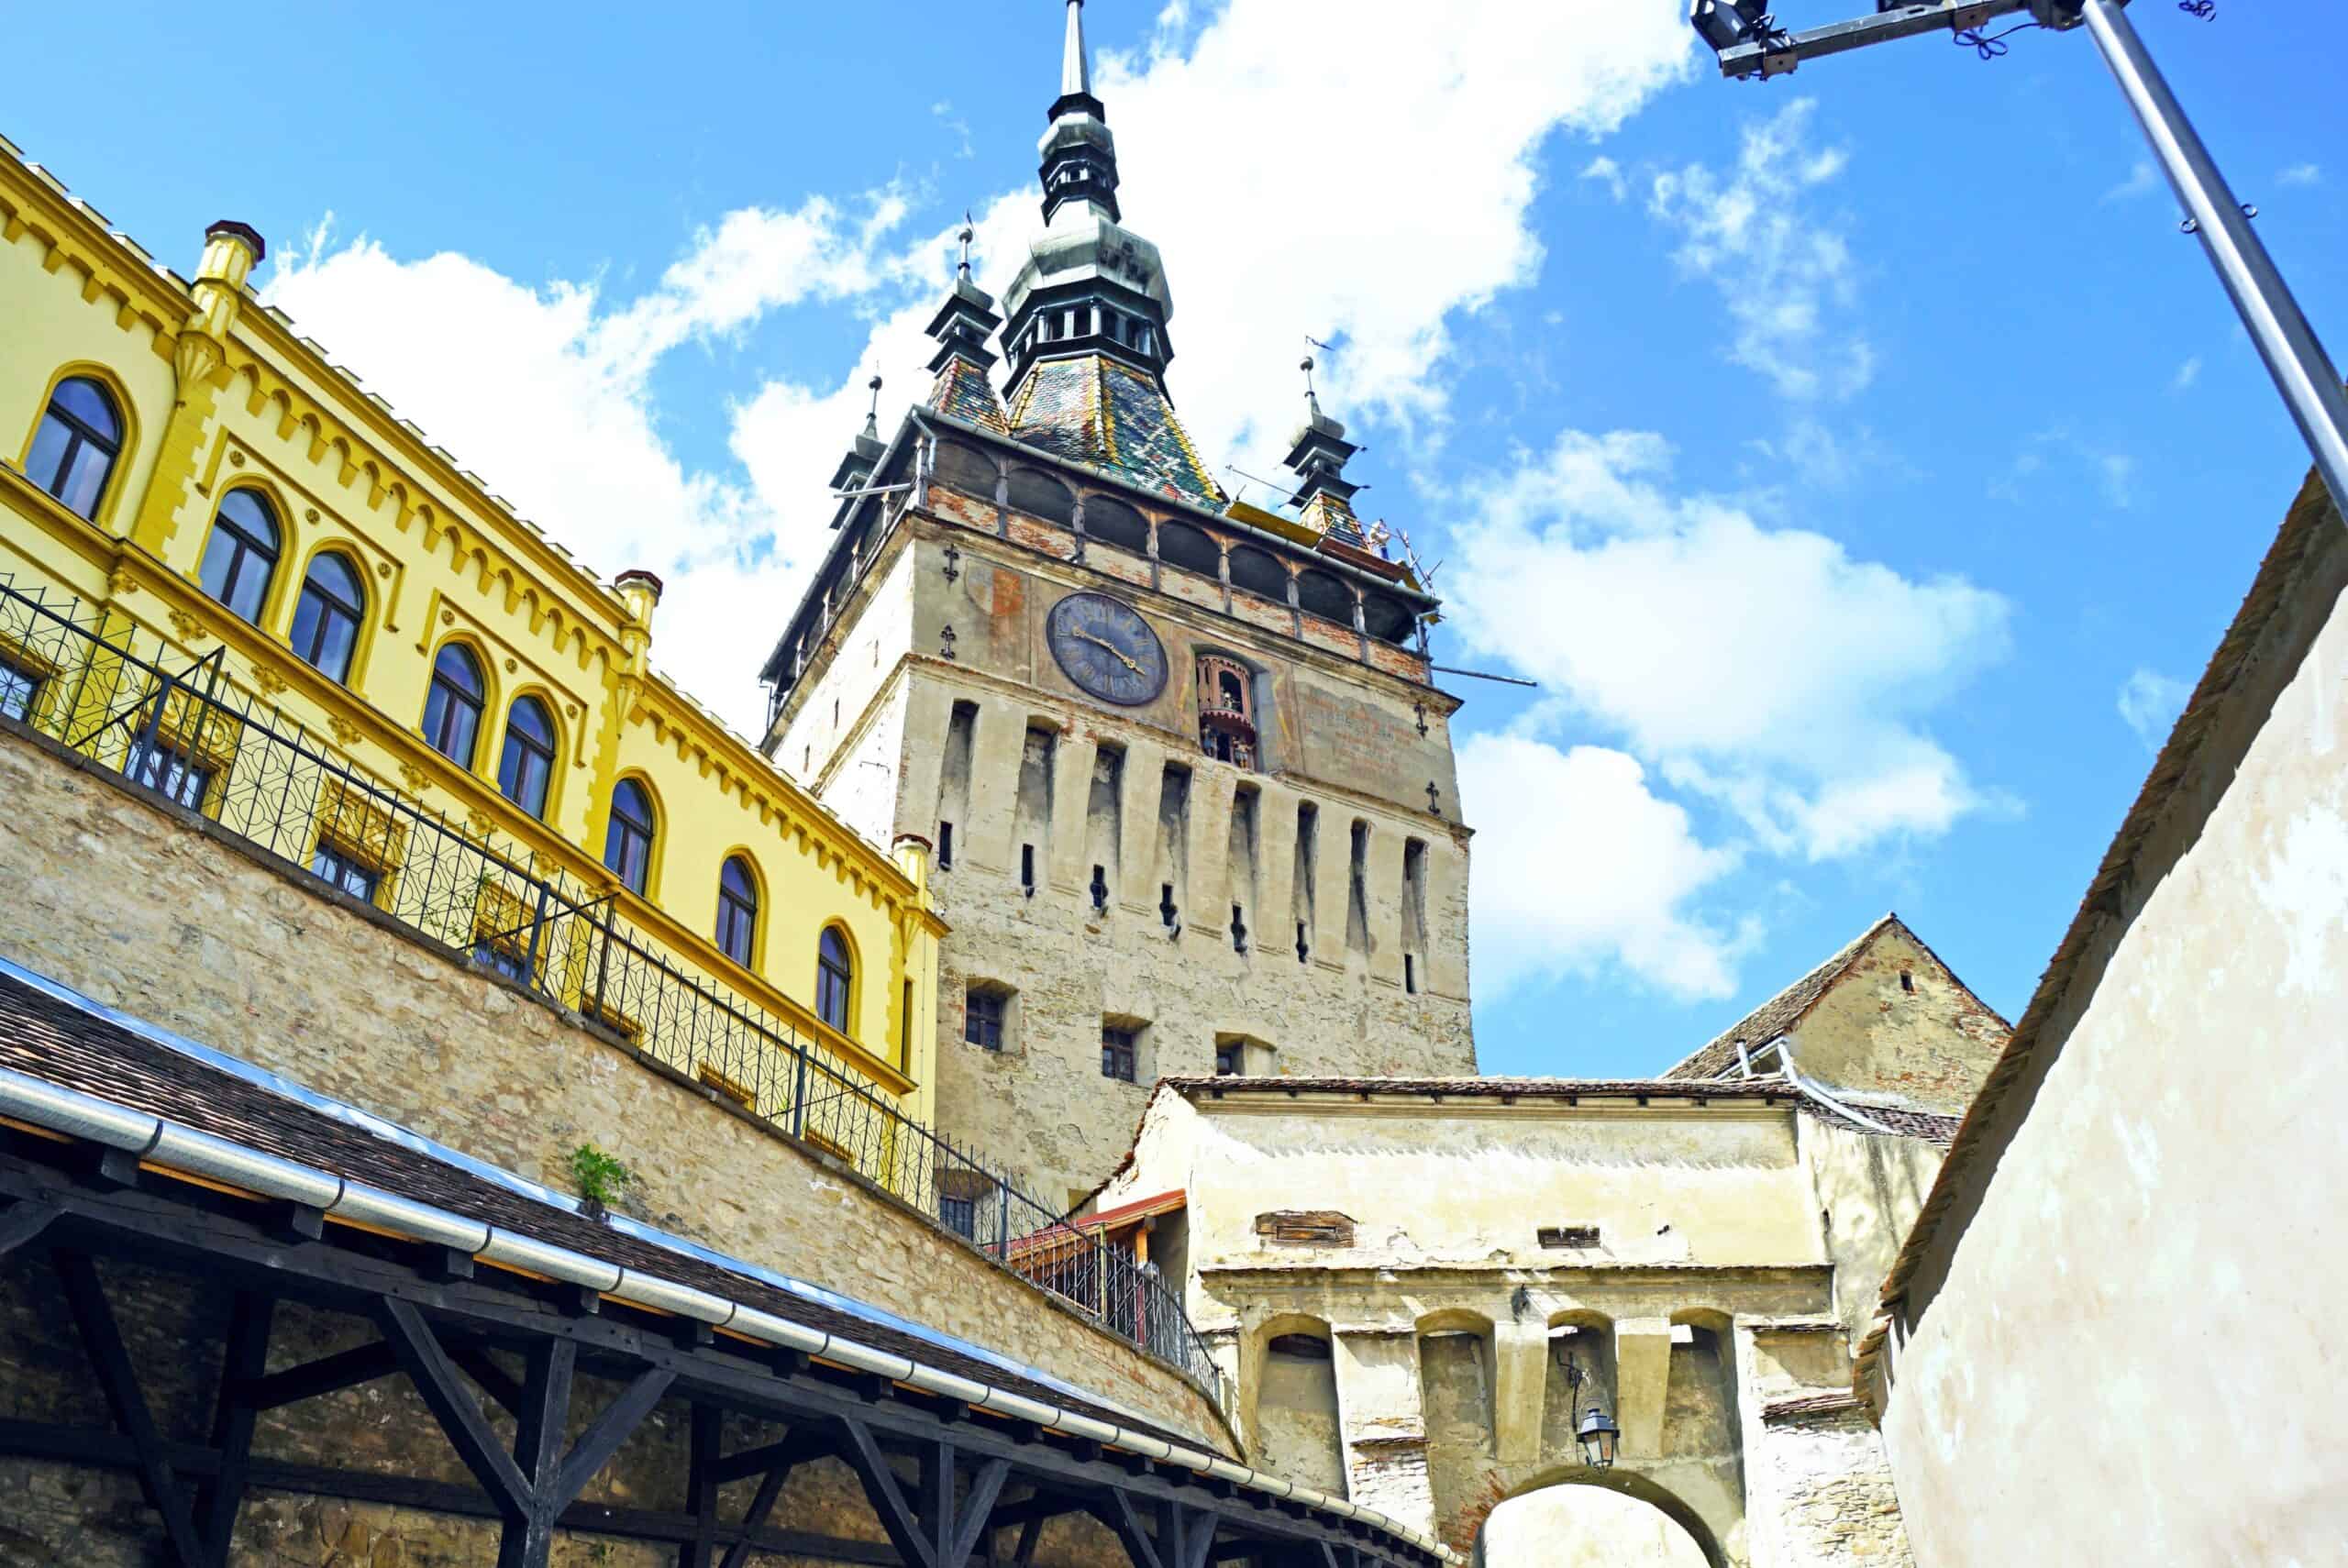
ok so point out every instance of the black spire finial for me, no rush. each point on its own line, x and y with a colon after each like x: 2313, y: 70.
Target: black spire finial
x: 970, y: 233
x: 1080, y: 156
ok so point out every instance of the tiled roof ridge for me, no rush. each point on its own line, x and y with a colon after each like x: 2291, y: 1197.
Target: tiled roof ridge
x: 1784, y: 1008
x: 1900, y: 1121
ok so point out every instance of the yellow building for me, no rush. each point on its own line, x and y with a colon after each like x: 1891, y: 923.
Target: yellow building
x: 243, y: 581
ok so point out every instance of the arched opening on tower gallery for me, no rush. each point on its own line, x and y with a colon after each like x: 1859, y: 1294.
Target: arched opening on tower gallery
x: 1595, y: 1519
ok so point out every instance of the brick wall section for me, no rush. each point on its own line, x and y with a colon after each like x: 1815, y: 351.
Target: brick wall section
x: 133, y: 904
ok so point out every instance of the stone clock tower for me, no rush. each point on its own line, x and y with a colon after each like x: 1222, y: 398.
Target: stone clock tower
x: 1188, y: 790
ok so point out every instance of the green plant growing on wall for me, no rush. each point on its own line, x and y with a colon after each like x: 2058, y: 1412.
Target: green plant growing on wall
x: 601, y: 1177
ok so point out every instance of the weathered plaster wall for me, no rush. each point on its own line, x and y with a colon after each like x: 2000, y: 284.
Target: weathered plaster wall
x: 1474, y: 1183
x: 1869, y: 1190
x: 1927, y: 1042
x: 127, y: 902
x: 2148, y: 1244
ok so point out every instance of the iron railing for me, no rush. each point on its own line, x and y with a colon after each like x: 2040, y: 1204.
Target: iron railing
x: 182, y: 726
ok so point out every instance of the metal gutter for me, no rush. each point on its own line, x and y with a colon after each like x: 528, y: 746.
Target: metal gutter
x: 173, y: 1146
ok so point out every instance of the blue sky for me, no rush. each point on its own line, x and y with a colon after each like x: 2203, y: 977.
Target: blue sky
x: 1863, y: 462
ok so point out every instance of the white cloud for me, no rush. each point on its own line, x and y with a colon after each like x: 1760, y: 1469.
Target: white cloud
x: 1763, y: 667
x: 1785, y: 275
x: 2187, y: 374
x: 2112, y: 472
x: 943, y: 113
x: 2150, y: 704
x: 2300, y: 174
x: 1418, y: 132
x: 1608, y: 173
x: 449, y: 341
x: 1599, y: 872
x: 2143, y: 181
x: 454, y: 346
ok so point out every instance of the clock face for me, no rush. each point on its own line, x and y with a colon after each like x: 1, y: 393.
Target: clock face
x: 1107, y: 648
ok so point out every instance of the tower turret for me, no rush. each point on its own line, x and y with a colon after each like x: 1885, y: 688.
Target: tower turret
x: 1318, y: 453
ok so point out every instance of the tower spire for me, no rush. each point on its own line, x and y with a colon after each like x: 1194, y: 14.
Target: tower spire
x: 1076, y: 70
x: 1079, y: 154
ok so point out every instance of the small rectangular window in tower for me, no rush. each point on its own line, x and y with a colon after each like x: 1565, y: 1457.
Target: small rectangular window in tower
x: 1230, y: 1059
x: 1907, y: 981
x: 1100, y: 888
x: 1238, y: 930
x: 1027, y: 868
x: 1303, y: 948
x: 1166, y: 911
x: 1411, y: 973
x: 1117, y: 1053
x: 982, y: 1018
x: 1567, y: 1236
x: 945, y: 846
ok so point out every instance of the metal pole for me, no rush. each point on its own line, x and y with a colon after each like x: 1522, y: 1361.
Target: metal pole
x: 2302, y: 371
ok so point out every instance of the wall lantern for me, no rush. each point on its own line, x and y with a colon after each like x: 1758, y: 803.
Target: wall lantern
x: 1598, y: 1432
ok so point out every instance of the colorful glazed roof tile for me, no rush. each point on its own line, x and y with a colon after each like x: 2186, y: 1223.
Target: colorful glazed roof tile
x: 964, y: 391
x: 1092, y: 409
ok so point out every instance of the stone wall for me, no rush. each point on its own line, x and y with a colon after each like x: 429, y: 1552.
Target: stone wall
x: 1035, y: 778
x: 141, y: 907
x: 1823, y: 1483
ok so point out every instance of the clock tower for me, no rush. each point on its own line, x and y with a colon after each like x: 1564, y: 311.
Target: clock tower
x: 1186, y: 781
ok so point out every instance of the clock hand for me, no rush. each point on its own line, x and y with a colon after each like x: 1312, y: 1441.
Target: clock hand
x: 1122, y: 656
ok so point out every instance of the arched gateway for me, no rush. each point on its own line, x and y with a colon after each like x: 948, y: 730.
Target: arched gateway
x: 1596, y: 1519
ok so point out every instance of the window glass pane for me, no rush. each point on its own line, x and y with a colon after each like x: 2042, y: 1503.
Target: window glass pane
x: 736, y: 880
x: 84, y: 478
x: 345, y: 871
x: 528, y: 766
x: 17, y: 691
x: 43, y: 463
x: 333, y: 575
x: 335, y: 640
x: 161, y: 768
x: 456, y: 667
x: 529, y: 719
x: 84, y: 401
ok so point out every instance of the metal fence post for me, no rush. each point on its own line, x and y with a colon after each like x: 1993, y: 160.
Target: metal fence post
x: 531, y: 968
x: 143, y: 756
x: 798, y: 1090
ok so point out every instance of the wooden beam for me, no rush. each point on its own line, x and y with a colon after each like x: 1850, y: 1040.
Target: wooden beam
x: 898, y: 1521
x: 93, y: 1446
x: 614, y: 1426
x: 102, y: 1338
x: 706, y: 1437
x: 459, y: 1413
x: 25, y: 1221
x: 344, y: 1369
x: 754, y: 1518
x: 232, y: 1420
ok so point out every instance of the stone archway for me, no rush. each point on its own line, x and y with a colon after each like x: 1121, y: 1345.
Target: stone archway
x: 1596, y: 1519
